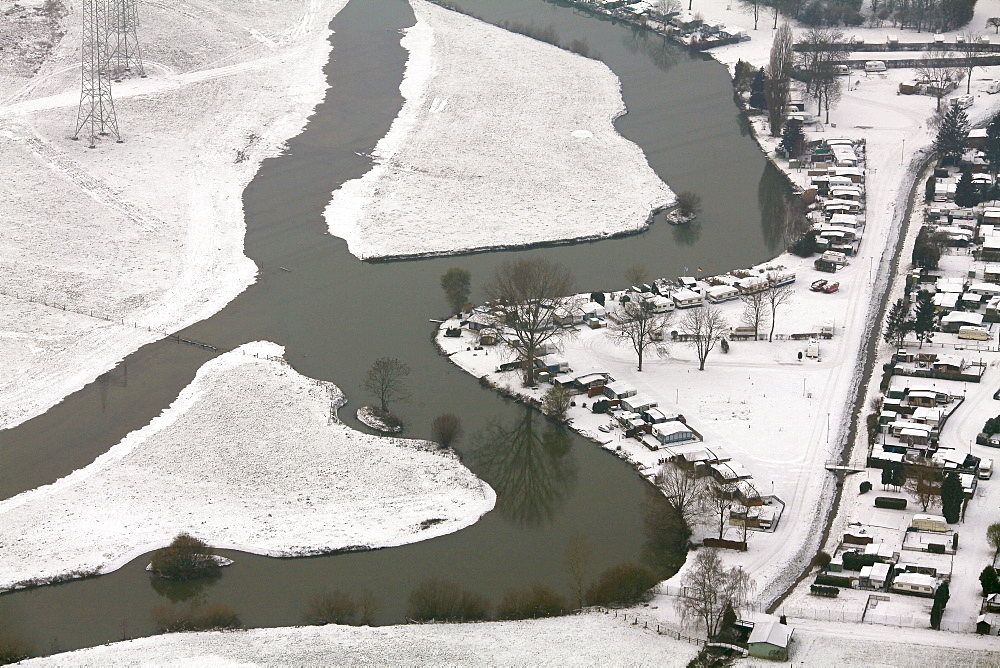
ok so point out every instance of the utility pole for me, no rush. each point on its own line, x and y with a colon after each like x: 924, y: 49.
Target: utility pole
x: 126, y: 57
x: 96, y: 114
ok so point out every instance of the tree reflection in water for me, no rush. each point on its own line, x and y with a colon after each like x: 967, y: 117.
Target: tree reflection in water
x: 666, y: 535
x: 782, y: 214
x: 660, y: 51
x: 687, y: 234
x: 177, y: 591
x: 527, y: 461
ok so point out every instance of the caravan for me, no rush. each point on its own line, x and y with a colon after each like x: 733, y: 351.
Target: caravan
x: 875, y: 66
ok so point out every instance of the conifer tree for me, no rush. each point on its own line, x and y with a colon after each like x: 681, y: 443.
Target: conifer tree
x: 924, y: 317
x: 952, y: 135
x: 966, y: 192
x: 952, y: 497
x: 897, y: 324
x: 757, y: 100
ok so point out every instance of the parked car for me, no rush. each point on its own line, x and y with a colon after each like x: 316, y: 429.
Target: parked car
x: 831, y: 288
x: 604, y: 428
x: 818, y: 285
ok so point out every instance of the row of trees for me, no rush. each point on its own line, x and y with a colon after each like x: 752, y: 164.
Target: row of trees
x: 929, y: 15
x: 928, y: 484
x: 921, y: 322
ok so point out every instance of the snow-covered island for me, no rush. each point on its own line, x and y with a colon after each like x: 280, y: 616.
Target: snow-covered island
x: 250, y: 456
x: 526, y: 155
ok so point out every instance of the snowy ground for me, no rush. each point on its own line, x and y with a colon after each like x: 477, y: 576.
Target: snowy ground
x: 502, y: 141
x: 248, y: 457
x: 583, y: 640
x: 149, y: 231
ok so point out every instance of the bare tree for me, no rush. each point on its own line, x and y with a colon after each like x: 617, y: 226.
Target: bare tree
x: 779, y: 76
x: 386, y: 381
x: 636, y: 274
x: 684, y: 489
x: 755, y: 310
x: 446, y: 429
x: 710, y: 588
x: 923, y: 482
x: 525, y: 294
x: 719, y: 500
x: 993, y: 539
x: 704, y: 327
x: 777, y: 296
x: 636, y: 322
x: 556, y: 402
x: 940, y: 73
x: 970, y: 52
x: 667, y: 7
x: 578, y: 553
x: 752, y: 7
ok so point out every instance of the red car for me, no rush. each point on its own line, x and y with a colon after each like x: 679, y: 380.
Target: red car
x: 830, y: 289
x: 818, y: 286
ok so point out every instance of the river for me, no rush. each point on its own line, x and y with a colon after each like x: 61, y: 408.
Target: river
x: 335, y: 315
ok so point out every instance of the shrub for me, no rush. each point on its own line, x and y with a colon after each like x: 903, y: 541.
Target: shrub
x: 332, y: 608
x: 446, y: 602
x: 186, y: 558
x: 854, y: 561
x: 600, y: 406
x: 821, y: 560
x: 172, y: 619
x: 866, y: 487
x: 623, y: 584
x: 806, y: 246
x: 446, y: 429
x: 833, y: 580
x: 538, y: 601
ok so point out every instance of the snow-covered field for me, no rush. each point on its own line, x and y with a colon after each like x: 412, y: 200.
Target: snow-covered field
x: 250, y: 456
x: 149, y: 231
x: 502, y: 141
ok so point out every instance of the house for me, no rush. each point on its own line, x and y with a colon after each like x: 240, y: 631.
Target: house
x: 565, y: 317
x: 986, y: 622
x: 673, y: 431
x: 919, y: 584
x: 479, y: 321
x: 991, y: 272
x: 730, y: 472
x: 876, y: 575
x: 845, y: 220
x: 992, y: 603
x: 955, y: 320
x: 945, y: 302
x: 618, y: 390
x: 769, y: 639
x: 721, y: 293
x: 656, y: 416
x: 991, y: 215
x: 685, y: 298
x: 852, y: 193
x: 950, y: 363
x: 638, y: 403
x: 488, y: 337
x: 976, y: 139
x: 924, y: 398
x: 593, y: 383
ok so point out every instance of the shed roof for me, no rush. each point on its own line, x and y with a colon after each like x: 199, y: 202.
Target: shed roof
x: 772, y: 632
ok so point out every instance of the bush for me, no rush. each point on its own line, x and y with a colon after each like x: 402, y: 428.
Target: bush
x: 444, y: 601
x: 822, y: 560
x: 929, y: 189
x: 724, y: 344
x: 623, y: 584
x: 186, y: 558
x: 833, y: 580
x: 806, y: 246
x: 172, y: 619
x: 531, y: 603
x: 854, y: 561
x: 866, y: 487
x: 446, y: 429
x: 332, y: 608
x: 600, y: 406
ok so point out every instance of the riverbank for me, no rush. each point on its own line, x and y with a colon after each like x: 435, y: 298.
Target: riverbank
x: 249, y: 457
x: 527, y: 155
x: 147, y: 236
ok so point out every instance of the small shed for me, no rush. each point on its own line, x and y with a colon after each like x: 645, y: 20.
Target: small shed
x: 875, y: 575
x: 954, y: 321
x: 769, y: 639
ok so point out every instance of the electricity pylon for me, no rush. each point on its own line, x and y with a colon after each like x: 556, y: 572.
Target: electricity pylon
x: 96, y: 114
x: 126, y: 56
